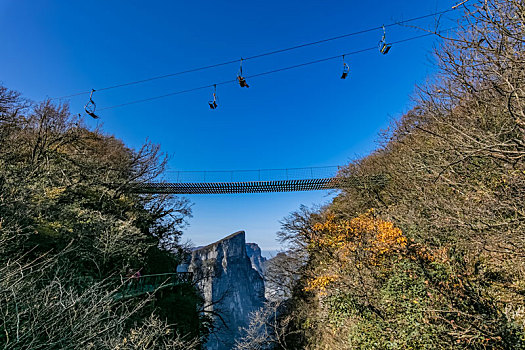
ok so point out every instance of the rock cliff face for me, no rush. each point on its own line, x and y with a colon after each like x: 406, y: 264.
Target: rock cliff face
x: 256, y: 258
x: 230, y: 286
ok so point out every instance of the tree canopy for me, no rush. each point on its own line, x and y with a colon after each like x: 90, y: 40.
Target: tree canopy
x: 435, y: 257
x: 72, y: 230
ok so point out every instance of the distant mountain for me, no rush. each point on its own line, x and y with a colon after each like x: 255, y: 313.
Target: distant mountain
x: 254, y: 253
x: 230, y: 284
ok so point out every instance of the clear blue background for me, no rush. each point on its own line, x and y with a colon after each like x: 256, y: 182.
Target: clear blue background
x: 303, y: 117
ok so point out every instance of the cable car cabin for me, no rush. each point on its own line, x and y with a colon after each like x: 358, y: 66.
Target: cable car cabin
x: 384, y: 48
x: 91, y: 106
x: 346, y: 70
x: 242, y: 82
x: 213, y: 103
x: 92, y: 115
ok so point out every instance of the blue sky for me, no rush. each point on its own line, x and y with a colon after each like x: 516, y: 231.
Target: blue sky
x: 298, y: 118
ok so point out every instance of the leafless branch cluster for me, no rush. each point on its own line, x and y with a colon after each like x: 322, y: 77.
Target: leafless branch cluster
x: 456, y: 189
x: 70, y: 228
x: 268, y: 329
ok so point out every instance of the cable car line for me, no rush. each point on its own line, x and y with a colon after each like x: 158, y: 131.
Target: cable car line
x: 271, y: 71
x: 258, y: 55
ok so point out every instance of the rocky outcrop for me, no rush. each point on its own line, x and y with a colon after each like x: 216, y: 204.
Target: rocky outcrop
x: 254, y: 253
x: 231, y: 288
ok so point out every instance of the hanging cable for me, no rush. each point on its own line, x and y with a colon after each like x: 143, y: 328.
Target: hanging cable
x: 141, y: 81
x: 273, y: 71
x: 167, y: 95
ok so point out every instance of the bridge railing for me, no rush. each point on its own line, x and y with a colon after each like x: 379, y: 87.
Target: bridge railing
x: 251, y: 175
x: 149, y: 283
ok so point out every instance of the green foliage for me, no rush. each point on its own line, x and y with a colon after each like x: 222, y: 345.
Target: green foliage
x: 70, y: 231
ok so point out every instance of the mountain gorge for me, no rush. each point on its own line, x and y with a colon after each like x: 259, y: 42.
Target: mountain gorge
x: 231, y: 284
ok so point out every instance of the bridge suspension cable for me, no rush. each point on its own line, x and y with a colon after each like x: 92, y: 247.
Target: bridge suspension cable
x: 252, y: 175
x: 264, y: 54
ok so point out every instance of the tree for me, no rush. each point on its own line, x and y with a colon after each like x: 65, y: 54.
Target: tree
x: 456, y: 192
x: 70, y: 229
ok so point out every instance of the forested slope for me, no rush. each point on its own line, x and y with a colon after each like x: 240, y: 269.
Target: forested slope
x: 71, y: 232
x: 434, y: 258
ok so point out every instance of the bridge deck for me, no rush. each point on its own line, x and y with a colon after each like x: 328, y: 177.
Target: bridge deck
x: 257, y: 186
x: 238, y: 187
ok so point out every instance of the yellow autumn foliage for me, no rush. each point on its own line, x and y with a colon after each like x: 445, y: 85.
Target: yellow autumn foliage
x: 53, y: 192
x: 343, y: 239
x: 320, y: 283
x: 365, y: 231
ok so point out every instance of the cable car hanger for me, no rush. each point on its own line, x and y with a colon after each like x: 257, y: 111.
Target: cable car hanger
x: 240, y: 78
x: 91, y: 106
x: 213, y: 104
x: 384, y: 47
x: 346, y: 69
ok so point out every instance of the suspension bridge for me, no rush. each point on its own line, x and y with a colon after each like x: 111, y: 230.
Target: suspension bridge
x: 256, y: 181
